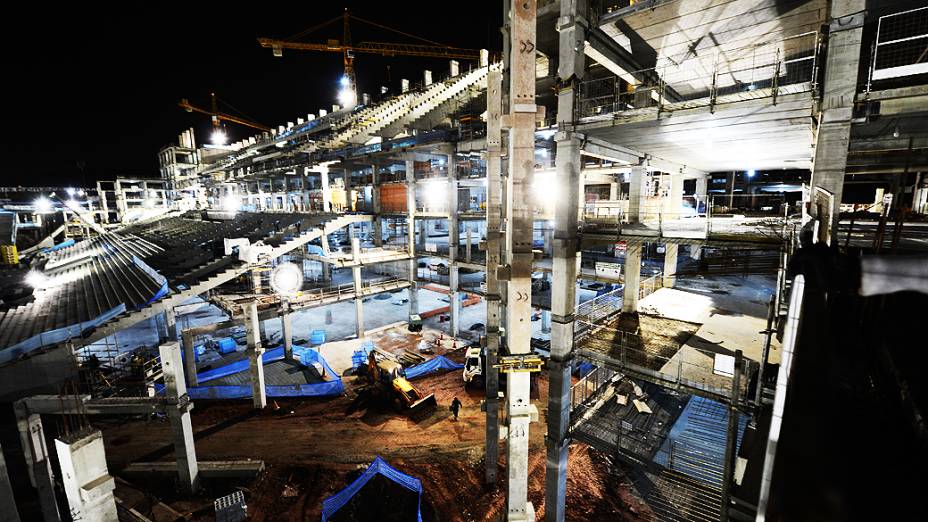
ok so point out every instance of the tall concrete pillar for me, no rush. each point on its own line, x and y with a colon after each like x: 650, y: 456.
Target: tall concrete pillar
x: 632, y: 278
x: 38, y: 464
x: 636, y: 182
x: 326, y: 190
x: 170, y: 324
x: 255, y: 355
x: 86, y: 480
x: 846, y: 18
x: 613, y: 191
x: 522, y: 115
x: 178, y: 410
x: 8, y: 511
x: 674, y: 203
x: 423, y: 233
x: 190, y: 358
x: 411, y: 235
x: 545, y: 321
x: 377, y: 207
x: 467, y: 245
x: 566, y: 259
x: 286, y: 328
x: 356, y: 278
x: 670, y: 264
x: 455, y: 300
x: 494, y: 247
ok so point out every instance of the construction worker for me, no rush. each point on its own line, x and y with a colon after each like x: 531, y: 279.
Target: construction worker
x: 455, y: 407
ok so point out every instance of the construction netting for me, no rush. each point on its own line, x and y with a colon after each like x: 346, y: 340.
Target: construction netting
x: 378, y: 467
x: 434, y: 365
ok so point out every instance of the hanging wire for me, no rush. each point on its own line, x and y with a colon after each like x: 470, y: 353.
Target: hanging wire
x: 229, y: 105
x: 375, y: 24
x: 313, y: 28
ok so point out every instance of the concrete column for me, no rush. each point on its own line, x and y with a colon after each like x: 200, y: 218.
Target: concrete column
x: 190, y: 359
x: 636, y: 181
x: 519, y: 305
x: 670, y: 264
x: 494, y: 218
x: 423, y: 233
x: 35, y: 451
x: 834, y: 130
x: 695, y: 252
x: 613, y: 191
x: 286, y: 328
x: 632, y: 278
x: 178, y: 411
x: 411, y: 235
x: 256, y: 283
x: 8, y: 511
x: 565, y: 263
x: 467, y: 245
x: 255, y: 355
x: 326, y: 190
x: 427, y: 77
x: 455, y: 303
x: 356, y: 278
x: 548, y: 235
x: 545, y: 321
x: 86, y: 480
x: 170, y: 323
x: 454, y: 68
x: 377, y: 206
x: 675, y: 197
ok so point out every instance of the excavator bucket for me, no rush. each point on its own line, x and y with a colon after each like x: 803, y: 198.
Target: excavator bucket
x: 423, y: 407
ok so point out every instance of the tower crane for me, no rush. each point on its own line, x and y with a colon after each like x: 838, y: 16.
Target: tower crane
x: 218, y: 136
x: 348, y: 97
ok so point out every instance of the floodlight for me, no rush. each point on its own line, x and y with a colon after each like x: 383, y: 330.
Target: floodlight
x: 36, y: 279
x: 287, y: 279
x: 218, y: 137
x: 43, y: 205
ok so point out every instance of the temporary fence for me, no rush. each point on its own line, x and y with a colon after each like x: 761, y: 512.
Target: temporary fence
x: 378, y: 467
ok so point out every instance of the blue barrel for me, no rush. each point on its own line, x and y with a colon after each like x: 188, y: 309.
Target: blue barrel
x: 226, y: 345
x: 317, y: 337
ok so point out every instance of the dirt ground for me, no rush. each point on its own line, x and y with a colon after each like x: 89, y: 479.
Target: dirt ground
x: 319, y: 449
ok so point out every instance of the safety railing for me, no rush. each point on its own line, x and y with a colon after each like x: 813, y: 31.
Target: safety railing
x: 762, y: 70
x: 590, y: 386
x: 901, y: 45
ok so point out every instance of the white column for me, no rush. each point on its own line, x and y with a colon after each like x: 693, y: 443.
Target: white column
x: 356, y: 278
x: 632, y: 278
x: 286, y: 328
x: 411, y: 235
x: 178, y: 411
x: 670, y: 264
x: 38, y: 464
x: 636, y: 181
x: 255, y: 355
x: 455, y: 295
x: 326, y: 190
x: 85, y: 478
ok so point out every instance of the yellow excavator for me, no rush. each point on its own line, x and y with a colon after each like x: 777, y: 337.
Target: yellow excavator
x: 388, y: 373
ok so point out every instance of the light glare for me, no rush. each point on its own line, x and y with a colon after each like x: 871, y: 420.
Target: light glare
x: 218, y: 137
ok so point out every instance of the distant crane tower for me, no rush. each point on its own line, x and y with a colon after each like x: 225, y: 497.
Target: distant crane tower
x: 218, y: 136
x: 348, y: 95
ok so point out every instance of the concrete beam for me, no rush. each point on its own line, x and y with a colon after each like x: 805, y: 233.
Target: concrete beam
x: 85, y: 478
x: 175, y: 391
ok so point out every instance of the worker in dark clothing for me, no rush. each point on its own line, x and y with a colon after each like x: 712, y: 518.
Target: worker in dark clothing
x: 455, y: 407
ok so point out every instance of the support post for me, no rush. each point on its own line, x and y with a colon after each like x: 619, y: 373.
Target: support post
x: 731, y: 439
x: 566, y: 260
x: 636, y: 181
x: 178, y: 410
x: 84, y: 476
x: 8, y: 511
x: 190, y: 358
x: 377, y: 207
x: 632, y: 278
x: 454, y: 241
x: 467, y: 245
x: 255, y: 355
x: 32, y: 437
x: 519, y: 305
x: 671, y: 251
x: 494, y: 217
x: 170, y: 324
x: 356, y: 278
x: 829, y: 161
x: 286, y: 328
x: 411, y: 235
x: 326, y: 190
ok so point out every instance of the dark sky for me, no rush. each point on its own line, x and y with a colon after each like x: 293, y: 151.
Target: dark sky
x: 98, y: 88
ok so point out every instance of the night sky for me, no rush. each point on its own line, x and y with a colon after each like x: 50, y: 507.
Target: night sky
x: 92, y: 93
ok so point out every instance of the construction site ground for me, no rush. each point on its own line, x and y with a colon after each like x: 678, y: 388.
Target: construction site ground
x: 314, y: 447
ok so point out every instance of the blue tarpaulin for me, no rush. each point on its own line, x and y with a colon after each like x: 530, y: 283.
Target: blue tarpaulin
x: 438, y: 364
x: 338, y: 500
x: 306, y: 356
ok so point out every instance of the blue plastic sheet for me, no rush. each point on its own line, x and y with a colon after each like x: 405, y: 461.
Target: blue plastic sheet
x: 438, y: 364
x: 317, y: 337
x: 306, y: 356
x: 338, y: 500
x: 64, y: 244
x: 584, y: 368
